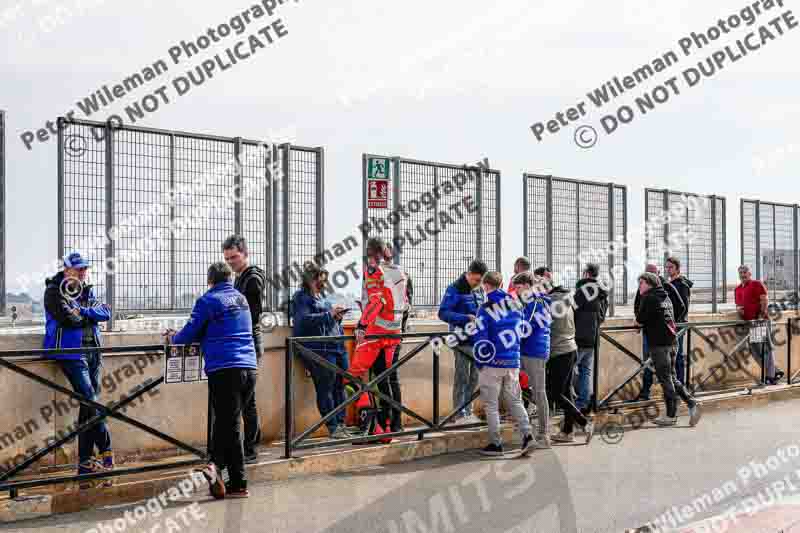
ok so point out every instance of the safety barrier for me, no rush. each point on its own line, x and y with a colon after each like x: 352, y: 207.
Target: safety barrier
x: 436, y: 424
x: 750, y: 331
x: 111, y: 410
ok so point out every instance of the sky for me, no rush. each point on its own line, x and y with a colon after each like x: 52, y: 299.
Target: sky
x: 443, y: 81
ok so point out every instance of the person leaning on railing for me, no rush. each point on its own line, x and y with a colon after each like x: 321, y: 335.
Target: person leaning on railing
x: 314, y: 316
x: 221, y: 323
x: 655, y: 316
x: 752, y: 304
x: 72, y: 315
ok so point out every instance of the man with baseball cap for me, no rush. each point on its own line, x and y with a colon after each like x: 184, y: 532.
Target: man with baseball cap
x: 73, y: 315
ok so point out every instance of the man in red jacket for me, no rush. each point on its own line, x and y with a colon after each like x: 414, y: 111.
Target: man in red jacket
x: 752, y: 304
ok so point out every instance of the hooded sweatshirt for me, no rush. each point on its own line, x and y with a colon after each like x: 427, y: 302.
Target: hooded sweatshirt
x: 684, y: 287
x: 251, y: 283
x: 591, y: 304
x: 562, y: 329
x: 497, y: 341
x: 656, y: 315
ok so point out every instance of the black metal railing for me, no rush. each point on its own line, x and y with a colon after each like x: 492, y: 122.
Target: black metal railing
x: 745, y: 330
x: 436, y: 424
x: 110, y: 410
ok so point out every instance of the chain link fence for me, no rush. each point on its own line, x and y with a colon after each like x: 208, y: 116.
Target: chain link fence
x: 151, y: 209
x: 571, y: 222
x: 690, y: 227
x: 769, y: 245
x: 444, y: 216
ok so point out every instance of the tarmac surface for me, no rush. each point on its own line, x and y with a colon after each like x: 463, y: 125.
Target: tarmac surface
x: 739, y: 469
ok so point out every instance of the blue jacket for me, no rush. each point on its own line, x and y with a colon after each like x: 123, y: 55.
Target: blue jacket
x: 460, y: 300
x: 62, y: 328
x: 312, y: 318
x: 497, y: 339
x: 537, y: 343
x: 221, y: 323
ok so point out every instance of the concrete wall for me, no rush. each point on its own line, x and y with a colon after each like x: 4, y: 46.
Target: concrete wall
x: 33, y: 413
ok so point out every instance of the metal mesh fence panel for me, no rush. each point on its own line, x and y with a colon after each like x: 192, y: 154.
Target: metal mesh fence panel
x: 571, y: 222
x: 770, y: 245
x: 692, y: 228
x: 443, y: 216
x: 167, y: 200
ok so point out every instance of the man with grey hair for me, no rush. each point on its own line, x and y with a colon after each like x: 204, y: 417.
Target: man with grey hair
x: 752, y: 304
x: 655, y: 316
x: 220, y: 322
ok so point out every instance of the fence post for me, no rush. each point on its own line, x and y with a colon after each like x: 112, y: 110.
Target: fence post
x: 61, y: 125
x: 498, y: 249
x: 320, y: 200
x: 396, y: 203
x: 625, y: 247
x: 271, y: 155
x: 548, y: 206
x: 613, y: 300
x: 525, y: 215
x: 714, y: 241
x: 665, y: 207
x: 795, y: 257
x: 689, y: 358
x: 287, y: 167
x: 758, y: 238
x: 173, y: 278
x: 479, y: 214
x: 3, y: 212
x: 436, y: 294
x: 110, y: 296
x: 577, y: 231
x: 596, y: 373
x: 237, y: 185
x: 289, y: 403
x: 789, y: 328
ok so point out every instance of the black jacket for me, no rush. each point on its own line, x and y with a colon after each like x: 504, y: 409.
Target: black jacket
x: 684, y: 287
x: 655, y: 314
x: 678, y: 306
x: 251, y: 284
x: 591, y: 305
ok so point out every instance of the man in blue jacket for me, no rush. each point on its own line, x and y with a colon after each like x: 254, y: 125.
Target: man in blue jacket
x: 497, y: 354
x: 535, y: 347
x: 72, y: 314
x: 458, y: 308
x: 221, y: 323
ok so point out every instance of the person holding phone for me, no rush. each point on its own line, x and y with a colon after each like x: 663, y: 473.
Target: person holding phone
x: 314, y: 316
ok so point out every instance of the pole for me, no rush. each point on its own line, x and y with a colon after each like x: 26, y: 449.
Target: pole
x: 110, y: 296
x: 714, y: 242
x: 613, y: 298
x: 790, y: 328
x: 548, y: 203
x: 435, y: 386
x: 288, y: 405
x: 596, y: 373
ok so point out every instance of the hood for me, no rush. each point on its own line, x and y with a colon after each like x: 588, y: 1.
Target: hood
x: 254, y: 271
x: 496, y: 296
x: 601, y: 287
x: 658, y: 292
x: 686, y: 281
x: 462, y: 285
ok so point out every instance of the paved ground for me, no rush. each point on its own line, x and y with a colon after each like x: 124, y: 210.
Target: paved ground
x: 596, y: 488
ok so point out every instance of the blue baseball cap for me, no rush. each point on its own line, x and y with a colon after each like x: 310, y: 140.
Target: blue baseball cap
x: 74, y: 260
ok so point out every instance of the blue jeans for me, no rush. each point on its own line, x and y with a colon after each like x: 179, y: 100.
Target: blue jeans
x: 330, y: 388
x: 582, y: 381
x: 84, y: 376
x: 465, y: 379
x: 680, y: 366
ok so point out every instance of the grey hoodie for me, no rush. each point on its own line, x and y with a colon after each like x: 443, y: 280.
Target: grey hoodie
x: 562, y: 330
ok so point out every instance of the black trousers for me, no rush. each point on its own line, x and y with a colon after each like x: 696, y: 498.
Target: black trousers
x: 231, y: 389
x: 560, y: 369
x: 664, y: 360
x: 252, y: 425
x: 391, y: 388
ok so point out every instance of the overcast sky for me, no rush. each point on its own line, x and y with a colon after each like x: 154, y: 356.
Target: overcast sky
x: 453, y: 81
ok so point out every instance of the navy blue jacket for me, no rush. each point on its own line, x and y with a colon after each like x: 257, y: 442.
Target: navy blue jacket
x: 312, y: 318
x: 64, y: 329
x: 460, y: 300
x: 497, y: 341
x: 537, y: 343
x: 221, y: 323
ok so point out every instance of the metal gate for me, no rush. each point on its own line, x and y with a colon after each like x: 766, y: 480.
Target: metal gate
x: 770, y: 245
x: 571, y: 222
x: 442, y: 216
x: 2, y: 212
x: 151, y: 209
x: 690, y: 227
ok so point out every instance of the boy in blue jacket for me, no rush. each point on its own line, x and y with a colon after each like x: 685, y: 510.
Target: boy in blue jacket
x: 222, y: 324
x: 535, y: 348
x: 497, y: 352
